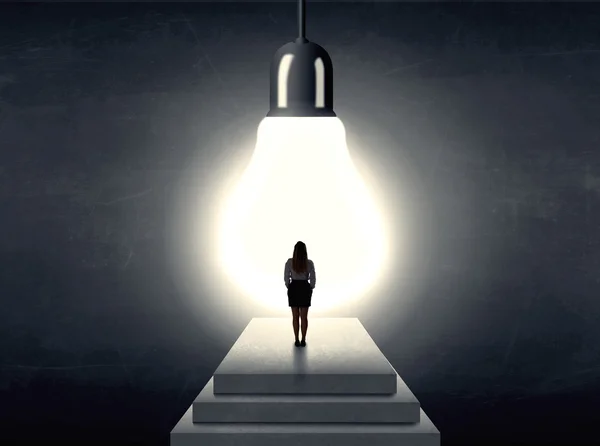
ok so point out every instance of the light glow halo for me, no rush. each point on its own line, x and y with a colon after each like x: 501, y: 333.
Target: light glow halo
x: 301, y: 184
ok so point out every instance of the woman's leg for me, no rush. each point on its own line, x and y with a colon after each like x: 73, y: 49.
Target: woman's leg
x: 295, y: 322
x: 304, y: 321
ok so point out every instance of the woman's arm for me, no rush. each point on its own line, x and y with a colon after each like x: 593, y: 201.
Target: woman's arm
x: 312, y: 277
x: 287, y: 273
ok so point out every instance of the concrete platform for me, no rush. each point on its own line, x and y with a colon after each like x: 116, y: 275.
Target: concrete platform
x: 340, y: 358
x: 401, y: 407
x: 187, y: 433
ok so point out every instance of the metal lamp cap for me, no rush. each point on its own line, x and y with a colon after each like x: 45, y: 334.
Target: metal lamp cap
x: 301, y: 80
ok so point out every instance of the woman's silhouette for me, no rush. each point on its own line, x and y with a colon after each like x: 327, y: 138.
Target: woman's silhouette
x: 300, y: 279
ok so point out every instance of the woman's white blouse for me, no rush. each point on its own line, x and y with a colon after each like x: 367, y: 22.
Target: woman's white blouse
x: 289, y: 274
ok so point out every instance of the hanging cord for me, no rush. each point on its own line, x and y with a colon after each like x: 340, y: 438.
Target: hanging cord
x: 302, y: 20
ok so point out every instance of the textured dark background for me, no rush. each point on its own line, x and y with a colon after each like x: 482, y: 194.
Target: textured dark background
x: 493, y: 112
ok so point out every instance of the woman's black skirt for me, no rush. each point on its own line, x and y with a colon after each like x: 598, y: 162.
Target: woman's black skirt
x: 299, y: 293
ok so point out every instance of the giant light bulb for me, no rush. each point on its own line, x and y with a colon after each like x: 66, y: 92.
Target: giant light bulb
x: 301, y: 184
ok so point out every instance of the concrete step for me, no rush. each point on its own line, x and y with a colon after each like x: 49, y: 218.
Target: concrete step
x: 401, y: 407
x: 187, y: 433
x: 340, y: 358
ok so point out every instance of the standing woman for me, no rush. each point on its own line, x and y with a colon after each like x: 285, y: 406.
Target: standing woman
x: 300, y: 279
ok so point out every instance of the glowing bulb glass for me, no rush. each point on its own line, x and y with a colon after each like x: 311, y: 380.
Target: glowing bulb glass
x: 301, y: 184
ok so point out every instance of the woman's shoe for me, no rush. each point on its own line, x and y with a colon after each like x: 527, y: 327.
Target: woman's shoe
x: 303, y: 344
x: 297, y: 343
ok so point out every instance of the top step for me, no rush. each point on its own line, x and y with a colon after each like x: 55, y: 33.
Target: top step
x: 340, y: 358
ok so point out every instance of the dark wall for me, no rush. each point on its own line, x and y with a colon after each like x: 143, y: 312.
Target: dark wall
x: 490, y: 113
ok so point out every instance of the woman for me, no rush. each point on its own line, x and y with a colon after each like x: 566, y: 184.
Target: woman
x: 300, y: 279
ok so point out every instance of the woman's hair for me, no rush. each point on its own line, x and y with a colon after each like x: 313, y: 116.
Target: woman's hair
x: 300, y: 259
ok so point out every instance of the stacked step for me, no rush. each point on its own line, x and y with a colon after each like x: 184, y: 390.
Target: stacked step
x: 339, y: 389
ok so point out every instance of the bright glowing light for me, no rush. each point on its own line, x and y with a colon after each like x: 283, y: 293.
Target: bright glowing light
x: 301, y: 184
